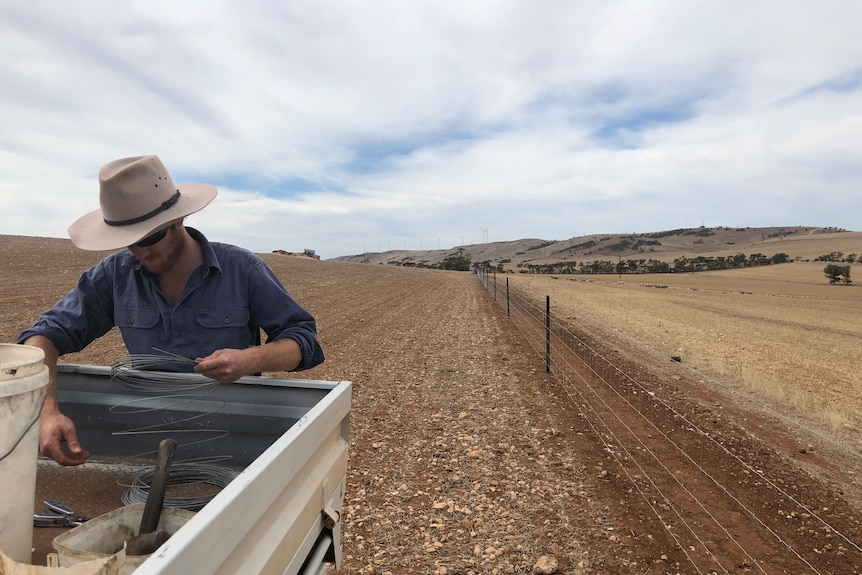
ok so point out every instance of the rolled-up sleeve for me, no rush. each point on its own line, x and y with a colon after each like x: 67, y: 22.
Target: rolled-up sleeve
x: 280, y: 316
x: 84, y: 314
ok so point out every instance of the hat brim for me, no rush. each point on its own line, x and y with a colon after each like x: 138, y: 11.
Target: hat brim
x: 90, y: 232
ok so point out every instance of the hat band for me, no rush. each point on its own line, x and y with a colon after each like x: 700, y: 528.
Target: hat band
x: 164, y: 206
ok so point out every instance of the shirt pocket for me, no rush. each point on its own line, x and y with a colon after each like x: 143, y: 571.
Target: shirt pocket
x: 135, y: 317
x: 223, y: 317
x: 224, y: 327
x: 141, y: 328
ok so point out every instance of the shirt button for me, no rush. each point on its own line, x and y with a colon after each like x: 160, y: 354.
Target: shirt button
x: 130, y: 321
x: 227, y: 320
x: 179, y: 333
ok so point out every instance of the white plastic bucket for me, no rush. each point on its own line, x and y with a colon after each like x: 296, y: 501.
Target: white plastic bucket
x: 23, y: 385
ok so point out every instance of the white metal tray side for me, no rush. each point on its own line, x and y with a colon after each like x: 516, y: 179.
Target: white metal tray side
x: 268, y: 518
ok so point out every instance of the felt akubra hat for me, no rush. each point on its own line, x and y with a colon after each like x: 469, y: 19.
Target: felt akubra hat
x: 137, y: 197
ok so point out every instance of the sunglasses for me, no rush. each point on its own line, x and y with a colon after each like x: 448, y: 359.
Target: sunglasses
x: 152, y: 239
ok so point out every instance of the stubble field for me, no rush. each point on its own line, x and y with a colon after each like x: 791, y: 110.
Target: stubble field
x: 779, y: 333
x: 467, y: 458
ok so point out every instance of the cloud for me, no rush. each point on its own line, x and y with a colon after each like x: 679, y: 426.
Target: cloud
x: 351, y: 126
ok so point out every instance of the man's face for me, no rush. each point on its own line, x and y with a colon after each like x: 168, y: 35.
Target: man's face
x: 160, y: 256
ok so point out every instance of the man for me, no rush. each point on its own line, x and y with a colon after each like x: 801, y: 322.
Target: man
x: 170, y: 290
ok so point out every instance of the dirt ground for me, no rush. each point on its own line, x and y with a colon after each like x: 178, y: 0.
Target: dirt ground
x: 466, y: 457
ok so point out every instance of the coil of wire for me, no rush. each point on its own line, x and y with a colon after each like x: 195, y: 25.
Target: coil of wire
x: 182, y: 475
x: 174, y: 388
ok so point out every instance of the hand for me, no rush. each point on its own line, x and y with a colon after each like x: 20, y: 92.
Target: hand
x: 224, y: 365
x: 54, y: 429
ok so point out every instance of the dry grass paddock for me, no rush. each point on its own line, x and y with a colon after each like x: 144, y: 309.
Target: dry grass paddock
x: 780, y: 334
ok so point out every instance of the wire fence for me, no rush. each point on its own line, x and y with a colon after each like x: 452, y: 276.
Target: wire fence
x: 726, y: 502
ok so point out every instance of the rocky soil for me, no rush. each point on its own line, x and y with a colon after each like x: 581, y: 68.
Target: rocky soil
x: 466, y: 457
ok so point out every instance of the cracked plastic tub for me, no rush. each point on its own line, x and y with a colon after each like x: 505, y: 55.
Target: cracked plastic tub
x: 101, y: 537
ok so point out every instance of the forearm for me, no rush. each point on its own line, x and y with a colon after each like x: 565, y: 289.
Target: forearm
x: 282, y: 355
x: 54, y: 427
x: 228, y: 365
x: 51, y: 358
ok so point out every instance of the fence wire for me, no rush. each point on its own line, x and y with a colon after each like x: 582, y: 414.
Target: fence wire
x: 639, y: 424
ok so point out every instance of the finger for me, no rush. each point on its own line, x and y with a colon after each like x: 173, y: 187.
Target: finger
x: 74, y: 458
x: 206, y: 367
x: 220, y: 375
x: 76, y: 455
x: 73, y: 445
x: 55, y: 452
x: 49, y: 444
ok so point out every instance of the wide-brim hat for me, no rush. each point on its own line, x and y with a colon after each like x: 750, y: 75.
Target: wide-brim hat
x: 137, y: 197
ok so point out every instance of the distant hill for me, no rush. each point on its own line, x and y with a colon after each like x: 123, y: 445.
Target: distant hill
x: 798, y: 242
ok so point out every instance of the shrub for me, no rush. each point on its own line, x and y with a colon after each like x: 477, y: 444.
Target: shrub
x: 837, y: 274
x: 459, y: 261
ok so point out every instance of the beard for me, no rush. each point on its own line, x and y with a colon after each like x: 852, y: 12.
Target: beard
x: 163, y: 258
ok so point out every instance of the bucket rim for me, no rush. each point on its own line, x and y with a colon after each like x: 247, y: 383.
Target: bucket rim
x: 33, y: 382
x: 18, y: 361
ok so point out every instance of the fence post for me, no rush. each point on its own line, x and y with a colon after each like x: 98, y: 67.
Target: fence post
x: 495, y: 285
x: 547, y: 334
x: 508, y: 309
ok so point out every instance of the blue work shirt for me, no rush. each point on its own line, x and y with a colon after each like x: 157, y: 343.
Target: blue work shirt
x: 226, y: 302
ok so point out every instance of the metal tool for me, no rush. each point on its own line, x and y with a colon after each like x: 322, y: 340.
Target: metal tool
x: 57, y: 515
x: 149, y: 537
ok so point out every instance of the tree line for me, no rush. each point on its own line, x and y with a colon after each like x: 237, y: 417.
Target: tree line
x: 837, y: 274
x: 652, y: 266
x: 838, y: 257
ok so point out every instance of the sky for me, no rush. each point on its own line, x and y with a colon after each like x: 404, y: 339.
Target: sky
x: 349, y: 127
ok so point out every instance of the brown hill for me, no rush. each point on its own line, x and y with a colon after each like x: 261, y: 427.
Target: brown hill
x: 798, y: 242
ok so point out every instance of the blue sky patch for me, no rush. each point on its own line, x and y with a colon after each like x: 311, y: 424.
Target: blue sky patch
x: 624, y: 130
x: 284, y: 188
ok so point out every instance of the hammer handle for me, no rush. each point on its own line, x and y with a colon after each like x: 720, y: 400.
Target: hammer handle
x: 156, y: 496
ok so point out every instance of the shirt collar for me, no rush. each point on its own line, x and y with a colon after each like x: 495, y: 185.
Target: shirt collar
x: 210, y: 259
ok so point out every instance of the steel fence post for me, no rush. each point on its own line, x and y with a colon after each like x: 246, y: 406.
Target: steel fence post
x: 547, y: 334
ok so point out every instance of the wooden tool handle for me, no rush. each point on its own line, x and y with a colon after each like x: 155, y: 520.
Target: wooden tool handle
x: 156, y: 496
